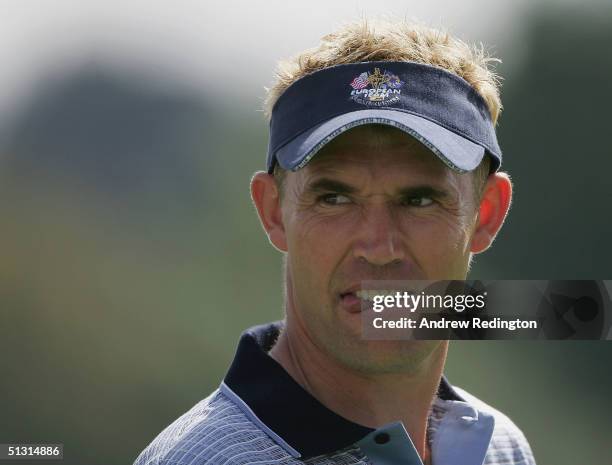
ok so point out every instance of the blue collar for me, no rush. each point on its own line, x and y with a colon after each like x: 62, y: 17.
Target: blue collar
x: 285, y: 410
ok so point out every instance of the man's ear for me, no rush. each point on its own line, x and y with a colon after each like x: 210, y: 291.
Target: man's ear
x: 266, y: 198
x: 494, y: 207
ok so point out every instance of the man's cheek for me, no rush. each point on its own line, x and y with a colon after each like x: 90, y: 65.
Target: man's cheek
x: 316, y: 227
x: 438, y: 251
x: 321, y: 238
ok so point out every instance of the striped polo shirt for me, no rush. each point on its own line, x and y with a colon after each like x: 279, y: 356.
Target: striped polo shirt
x: 260, y: 415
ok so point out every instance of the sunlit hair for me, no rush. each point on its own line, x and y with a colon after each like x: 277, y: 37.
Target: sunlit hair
x: 387, y: 40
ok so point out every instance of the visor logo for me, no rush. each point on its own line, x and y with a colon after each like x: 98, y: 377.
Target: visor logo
x: 376, y: 88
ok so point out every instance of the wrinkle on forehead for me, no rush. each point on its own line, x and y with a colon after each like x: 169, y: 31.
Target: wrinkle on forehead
x: 374, y: 136
x: 374, y: 149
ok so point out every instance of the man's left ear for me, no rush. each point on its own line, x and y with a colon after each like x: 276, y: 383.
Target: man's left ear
x: 494, y: 207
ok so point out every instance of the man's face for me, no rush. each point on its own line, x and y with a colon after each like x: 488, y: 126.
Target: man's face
x: 374, y: 204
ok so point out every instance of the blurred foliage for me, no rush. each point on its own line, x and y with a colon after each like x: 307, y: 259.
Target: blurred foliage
x: 132, y: 257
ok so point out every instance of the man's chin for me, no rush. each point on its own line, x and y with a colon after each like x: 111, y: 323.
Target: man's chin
x: 348, y: 346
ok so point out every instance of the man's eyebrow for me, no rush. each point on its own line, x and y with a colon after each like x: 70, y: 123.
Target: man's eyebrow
x: 330, y: 185
x: 423, y: 191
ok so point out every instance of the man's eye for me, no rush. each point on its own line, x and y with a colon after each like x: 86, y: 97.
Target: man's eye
x: 420, y: 201
x: 334, y: 199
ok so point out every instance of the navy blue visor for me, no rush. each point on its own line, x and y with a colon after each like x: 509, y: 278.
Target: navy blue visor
x: 436, y: 107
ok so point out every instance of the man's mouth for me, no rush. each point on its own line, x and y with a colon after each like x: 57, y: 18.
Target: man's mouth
x: 362, y: 299
x: 351, y: 301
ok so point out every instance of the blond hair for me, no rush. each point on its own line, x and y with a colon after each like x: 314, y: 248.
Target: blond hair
x: 387, y: 40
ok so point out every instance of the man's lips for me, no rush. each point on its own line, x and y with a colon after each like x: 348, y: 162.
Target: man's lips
x: 350, y: 302
x: 358, y: 300
x: 353, y: 301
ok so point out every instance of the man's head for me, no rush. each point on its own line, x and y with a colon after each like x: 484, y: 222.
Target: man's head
x: 375, y: 203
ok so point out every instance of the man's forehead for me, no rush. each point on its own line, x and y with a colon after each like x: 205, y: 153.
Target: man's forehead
x: 373, y: 146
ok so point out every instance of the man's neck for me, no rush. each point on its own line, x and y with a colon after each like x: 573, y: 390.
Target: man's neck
x: 369, y: 400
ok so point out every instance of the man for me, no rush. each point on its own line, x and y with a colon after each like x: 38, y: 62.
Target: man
x: 383, y: 164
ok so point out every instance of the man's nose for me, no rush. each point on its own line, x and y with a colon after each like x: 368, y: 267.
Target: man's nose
x: 379, y: 237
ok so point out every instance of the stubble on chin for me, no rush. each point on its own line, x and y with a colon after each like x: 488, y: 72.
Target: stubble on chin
x: 348, y: 349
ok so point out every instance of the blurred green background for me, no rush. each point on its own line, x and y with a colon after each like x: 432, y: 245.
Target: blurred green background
x: 132, y: 257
